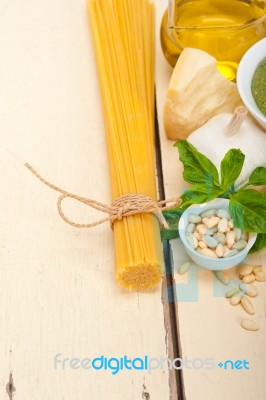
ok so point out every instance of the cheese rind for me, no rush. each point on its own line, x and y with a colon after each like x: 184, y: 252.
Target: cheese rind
x: 197, y: 91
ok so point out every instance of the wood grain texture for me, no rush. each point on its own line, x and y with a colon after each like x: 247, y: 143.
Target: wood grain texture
x: 210, y: 327
x: 57, y: 285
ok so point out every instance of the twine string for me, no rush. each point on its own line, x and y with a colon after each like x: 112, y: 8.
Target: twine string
x: 124, y: 206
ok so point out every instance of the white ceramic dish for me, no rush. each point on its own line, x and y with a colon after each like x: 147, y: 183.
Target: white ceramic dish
x: 207, y: 262
x: 245, y: 72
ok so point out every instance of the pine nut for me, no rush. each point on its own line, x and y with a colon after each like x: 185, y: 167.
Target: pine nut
x: 202, y: 244
x: 249, y: 278
x: 208, y: 213
x: 192, y: 240
x: 223, y: 213
x: 260, y: 276
x: 220, y: 250
x: 230, y: 239
x: 184, y: 268
x: 222, y: 226
x: 212, y: 222
x: 191, y: 228
x: 225, y: 279
x: 250, y: 290
x: 238, y: 234
x: 232, y: 292
x: 245, y: 270
x: 250, y: 325
x: 207, y: 252
x: 230, y: 253
x: 240, y: 245
x: 236, y: 299
x: 247, y: 305
x: 257, y: 268
x: 193, y: 218
x: 210, y: 241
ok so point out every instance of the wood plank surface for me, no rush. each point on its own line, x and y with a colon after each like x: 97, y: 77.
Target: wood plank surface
x: 57, y: 285
x: 208, y: 327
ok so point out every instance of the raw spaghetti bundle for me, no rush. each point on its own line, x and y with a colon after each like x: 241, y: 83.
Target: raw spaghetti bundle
x: 123, y: 35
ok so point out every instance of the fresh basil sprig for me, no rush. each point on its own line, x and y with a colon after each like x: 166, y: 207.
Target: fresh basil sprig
x: 247, y: 206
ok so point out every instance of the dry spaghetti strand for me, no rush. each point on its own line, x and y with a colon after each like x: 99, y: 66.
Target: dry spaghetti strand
x: 123, y: 36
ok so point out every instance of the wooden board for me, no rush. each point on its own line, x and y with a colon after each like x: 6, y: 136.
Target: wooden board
x: 58, y: 292
x: 208, y: 327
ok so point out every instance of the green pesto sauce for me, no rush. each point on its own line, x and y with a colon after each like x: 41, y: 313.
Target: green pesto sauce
x: 258, y: 86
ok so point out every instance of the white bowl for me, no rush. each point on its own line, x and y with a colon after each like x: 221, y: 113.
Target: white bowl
x: 245, y: 72
x: 204, y: 261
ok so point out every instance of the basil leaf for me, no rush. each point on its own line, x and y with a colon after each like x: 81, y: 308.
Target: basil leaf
x: 172, y: 217
x: 198, y: 169
x: 193, y: 196
x: 248, y: 209
x: 211, y: 192
x: 173, y: 214
x: 199, y: 194
x: 258, y: 177
x: 168, y: 234
x: 231, y: 166
x: 259, y: 244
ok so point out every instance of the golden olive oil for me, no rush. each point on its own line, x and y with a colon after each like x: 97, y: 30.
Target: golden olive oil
x: 223, y: 28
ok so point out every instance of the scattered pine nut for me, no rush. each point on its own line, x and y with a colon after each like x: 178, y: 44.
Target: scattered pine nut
x: 245, y: 270
x: 225, y: 279
x: 232, y: 292
x: 249, y: 278
x: 260, y: 276
x: 250, y: 325
x: 247, y: 305
x: 250, y: 290
x: 184, y: 268
x: 236, y: 299
x: 257, y: 268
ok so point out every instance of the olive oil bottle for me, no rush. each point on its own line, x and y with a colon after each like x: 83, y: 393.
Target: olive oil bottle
x: 223, y: 28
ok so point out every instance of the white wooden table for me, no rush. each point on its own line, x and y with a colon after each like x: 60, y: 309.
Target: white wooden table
x: 57, y: 285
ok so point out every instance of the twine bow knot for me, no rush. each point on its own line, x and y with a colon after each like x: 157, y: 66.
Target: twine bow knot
x: 124, y: 206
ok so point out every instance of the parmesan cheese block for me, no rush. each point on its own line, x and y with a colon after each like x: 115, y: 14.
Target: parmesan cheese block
x: 197, y: 91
